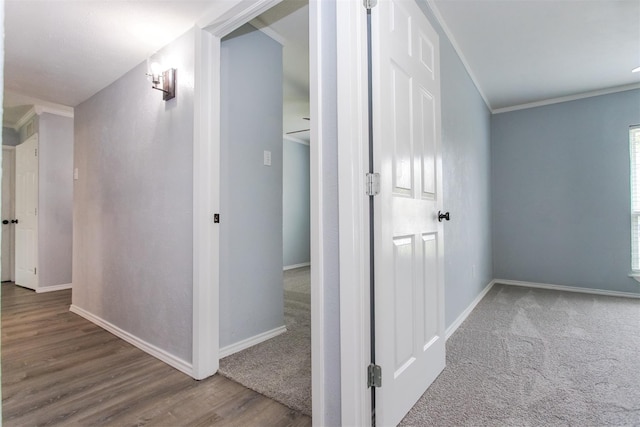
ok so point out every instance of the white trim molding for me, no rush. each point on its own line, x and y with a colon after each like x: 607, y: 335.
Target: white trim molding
x: 635, y: 276
x: 294, y: 139
x: 456, y: 47
x: 292, y: 266
x: 353, y: 221
x: 463, y: 316
x: 54, y: 288
x: 317, y: 12
x: 217, y: 22
x: 566, y: 288
x: 567, y: 98
x: 171, y: 360
x: 251, y: 341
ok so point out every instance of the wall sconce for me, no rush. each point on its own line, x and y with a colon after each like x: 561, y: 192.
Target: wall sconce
x: 164, y: 81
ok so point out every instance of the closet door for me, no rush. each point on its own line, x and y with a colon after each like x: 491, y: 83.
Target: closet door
x: 27, y: 213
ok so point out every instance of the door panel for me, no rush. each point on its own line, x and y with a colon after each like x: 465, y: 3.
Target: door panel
x: 410, y: 340
x: 26, y: 213
x: 7, y: 213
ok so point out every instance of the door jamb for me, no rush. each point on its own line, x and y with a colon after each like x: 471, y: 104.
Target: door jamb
x: 206, y: 192
x: 354, y: 212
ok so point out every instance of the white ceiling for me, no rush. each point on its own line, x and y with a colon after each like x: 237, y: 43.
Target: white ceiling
x: 517, y: 51
x: 523, y: 51
x: 65, y: 51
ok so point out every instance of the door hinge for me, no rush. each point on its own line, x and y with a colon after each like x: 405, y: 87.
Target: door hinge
x: 216, y: 218
x: 374, y: 376
x: 36, y: 152
x: 373, y: 184
x: 35, y: 270
x: 369, y: 4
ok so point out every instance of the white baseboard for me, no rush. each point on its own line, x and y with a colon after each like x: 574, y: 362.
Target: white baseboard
x: 291, y: 267
x: 151, y: 349
x: 251, y: 341
x: 53, y: 288
x: 463, y: 316
x: 566, y: 288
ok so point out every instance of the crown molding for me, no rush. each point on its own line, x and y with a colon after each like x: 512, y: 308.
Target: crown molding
x: 567, y: 98
x: 456, y: 47
x: 294, y: 139
x: 24, y: 119
x: 37, y: 110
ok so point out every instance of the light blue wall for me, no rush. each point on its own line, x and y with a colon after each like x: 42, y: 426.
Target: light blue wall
x: 466, y: 165
x: 295, y: 203
x: 133, y: 205
x: 251, y: 290
x: 55, y: 200
x: 561, y: 187
x: 10, y: 137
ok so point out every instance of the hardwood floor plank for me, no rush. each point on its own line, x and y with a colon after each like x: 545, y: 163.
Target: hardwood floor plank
x: 60, y: 369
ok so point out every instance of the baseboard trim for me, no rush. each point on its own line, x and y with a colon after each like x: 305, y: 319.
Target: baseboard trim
x: 291, y: 267
x: 151, y: 349
x: 251, y: 341
x: 566, y: 288
x: 53, y: 288
x: 463, y: 316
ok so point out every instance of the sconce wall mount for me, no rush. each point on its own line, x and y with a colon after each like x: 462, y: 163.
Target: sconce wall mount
x: 165, y: 82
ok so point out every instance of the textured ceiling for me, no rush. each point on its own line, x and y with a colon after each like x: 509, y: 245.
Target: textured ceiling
x: 523, y: 51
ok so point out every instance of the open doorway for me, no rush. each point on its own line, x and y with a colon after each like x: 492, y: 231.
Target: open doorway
x: 37, y: 187
x: 265, y: 303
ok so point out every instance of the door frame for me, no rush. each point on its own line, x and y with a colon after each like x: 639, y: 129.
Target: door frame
x: 209, y: 30
x: 353, y: 157
x: 7, y: 149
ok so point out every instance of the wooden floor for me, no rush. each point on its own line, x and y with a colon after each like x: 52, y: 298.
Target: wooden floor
x: 59, y: 369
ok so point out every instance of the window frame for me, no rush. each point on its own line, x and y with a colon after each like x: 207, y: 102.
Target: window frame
x: 634, y: 151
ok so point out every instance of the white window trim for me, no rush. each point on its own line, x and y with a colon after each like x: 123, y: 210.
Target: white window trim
x: 634, y: 151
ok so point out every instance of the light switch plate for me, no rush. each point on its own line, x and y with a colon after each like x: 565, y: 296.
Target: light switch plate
x: 75, y: 174
x: 267, y: 158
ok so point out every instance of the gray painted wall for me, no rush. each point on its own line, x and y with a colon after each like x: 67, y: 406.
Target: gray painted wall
x: 133, y: 202
x: 55, y: 200
x: 561, y: 188
x: 10, y: 137
x: 251, y: 287
x: 295, y: 203
x: 466, y: 164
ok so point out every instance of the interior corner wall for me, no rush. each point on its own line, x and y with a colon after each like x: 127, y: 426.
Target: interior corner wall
x: 10, y: 137
x: 296, y: 229
x: 133, y: 205
x: 251, y: 281
x: 55, y: 200
x: 561, y: 193
x: 466, y: 163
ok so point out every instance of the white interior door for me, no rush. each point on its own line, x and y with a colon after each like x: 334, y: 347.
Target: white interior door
x: 8, y: 186
x: 409, y: 308
x: 27, y: 213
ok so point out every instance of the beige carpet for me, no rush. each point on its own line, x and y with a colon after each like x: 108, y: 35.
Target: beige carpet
x: 280, y: 368
x: 532, y: 357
